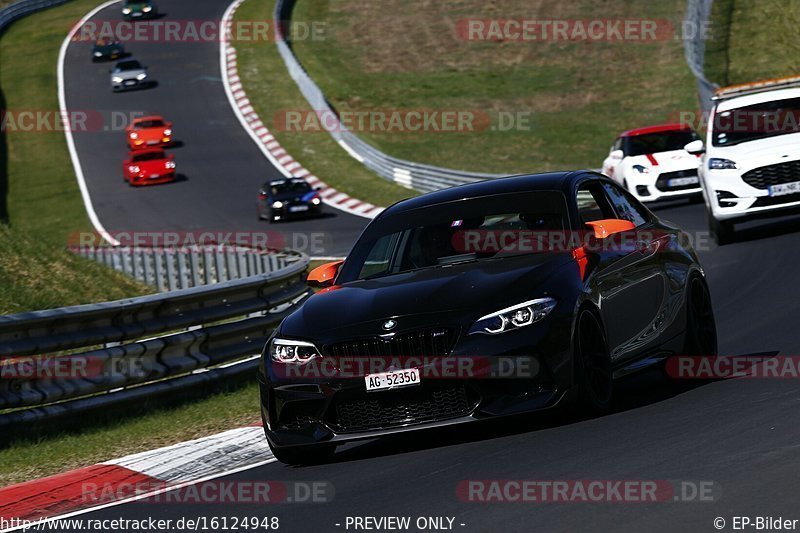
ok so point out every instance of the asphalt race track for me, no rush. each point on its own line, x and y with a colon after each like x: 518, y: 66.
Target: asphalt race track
x: 220, y: 168
x: 741, y: 434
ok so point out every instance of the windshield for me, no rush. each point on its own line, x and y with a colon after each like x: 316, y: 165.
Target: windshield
x: 143, y: 124
x: 468, y: 230
x: 149, y: 156
x: 758, y: 121
x: 128, y: 65
x: 653, y: 143
x: 288, y: 187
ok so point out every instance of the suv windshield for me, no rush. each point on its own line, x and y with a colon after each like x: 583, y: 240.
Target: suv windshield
x: 456, y: 232
x: 285, y: 187
x: 653, y: 143
x: 143, y: 124
x: 758, y: 121
x: 128, y: 65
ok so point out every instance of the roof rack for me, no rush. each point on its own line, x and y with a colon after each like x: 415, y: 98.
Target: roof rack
x: 756, y: 87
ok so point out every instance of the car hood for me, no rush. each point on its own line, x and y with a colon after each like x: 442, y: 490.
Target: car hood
x: 128, y: 74
x: 666, y: 161
x: 155, y: 166
x: 470, y: 290
x: 151, y: 133
x: 767, y: 149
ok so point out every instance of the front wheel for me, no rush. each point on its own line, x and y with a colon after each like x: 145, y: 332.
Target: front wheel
x: 701, y: 328
x: 593, y: 365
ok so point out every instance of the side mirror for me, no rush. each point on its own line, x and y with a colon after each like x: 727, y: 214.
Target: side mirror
x: 695, y: 147
x: 324, y: 275
x: 610, y: 226
x: 616, y: 154
x: 317, y: 188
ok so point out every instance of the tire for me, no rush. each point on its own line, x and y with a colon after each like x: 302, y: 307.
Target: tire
x: 303, y: 455
x: 593, y: 365
x: 722, y: 231
x: 701, y: 328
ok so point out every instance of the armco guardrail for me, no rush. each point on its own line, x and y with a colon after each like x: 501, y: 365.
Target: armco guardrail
x: 20, y: 9
x: 132, y: 349
x: 698, y: 13
x: 171, y: 269
x: 417, y: 176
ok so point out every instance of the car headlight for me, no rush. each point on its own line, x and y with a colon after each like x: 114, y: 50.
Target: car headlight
x: 170, y: 164
x: 277, y: 205
x: 641, y: 169
x: 126, y: 11
x: 98, y: 54
x: 167, y: 132
x: 141, y: 76
x: 134, y: 135
x: 147, y: 9
x: 716, y: 163
x: 134, y: 169
x: 116, y: 79
x: 289, y: 351
x: 515, y: 317
x: 316, y: 201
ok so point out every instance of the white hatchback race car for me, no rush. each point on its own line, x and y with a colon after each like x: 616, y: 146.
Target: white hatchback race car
x: 652, y: 163
x: 751, y: 166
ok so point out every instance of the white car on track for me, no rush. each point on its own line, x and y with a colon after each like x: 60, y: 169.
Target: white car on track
x: 652, y: 164
x: 751, y: 162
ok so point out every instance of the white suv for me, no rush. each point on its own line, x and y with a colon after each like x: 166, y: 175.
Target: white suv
x: 751, y: 162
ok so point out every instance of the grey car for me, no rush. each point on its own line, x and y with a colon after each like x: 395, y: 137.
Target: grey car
x: 129, y: 74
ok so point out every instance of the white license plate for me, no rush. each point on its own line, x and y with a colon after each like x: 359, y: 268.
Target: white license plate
x: 393, y: 379
x: 152, y: 142
x: 130, y: 82
x: 784, y: 188
x: 680, y: 182
x: 154, y: 176
x: 298, y: 208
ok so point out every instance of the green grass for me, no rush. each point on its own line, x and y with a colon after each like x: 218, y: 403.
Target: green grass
x: 43, y: 197
x: 753, y: 40
x: 35, y: 274
x: 34, y: 457
x: 579, y: 95
x: 272, y: 92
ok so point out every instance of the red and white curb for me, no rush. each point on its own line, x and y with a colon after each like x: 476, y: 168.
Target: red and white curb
x: 136, y: 477
x: 270, y: 147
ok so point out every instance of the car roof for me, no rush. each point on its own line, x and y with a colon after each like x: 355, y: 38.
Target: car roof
x: 736, y: 102
x: 559, y: 181
x: 660, y: 128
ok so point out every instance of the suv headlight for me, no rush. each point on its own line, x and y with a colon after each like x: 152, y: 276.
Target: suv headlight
x: 641, y: 169
x: 289, y: 351
x: 116, y: 79
x: 716, y: 163
x: 141, y: 76
x: 515, y: 317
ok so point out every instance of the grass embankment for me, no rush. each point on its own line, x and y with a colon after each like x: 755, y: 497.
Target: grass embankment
x: 44, y: 203
x: 578, y: 95
x: 37, y: 272
x: 753, y: 40
x: 272, y: 93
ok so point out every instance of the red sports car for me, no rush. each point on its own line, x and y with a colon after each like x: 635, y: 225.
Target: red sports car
x: 148, y: 167
x: 148, y: 132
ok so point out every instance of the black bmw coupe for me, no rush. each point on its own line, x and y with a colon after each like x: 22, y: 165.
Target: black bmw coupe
x: 485, y: 300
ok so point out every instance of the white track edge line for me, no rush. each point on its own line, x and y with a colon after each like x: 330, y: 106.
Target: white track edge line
x: 62, y: 104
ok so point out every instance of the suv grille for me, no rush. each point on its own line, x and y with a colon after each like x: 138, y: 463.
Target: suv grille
x: 434, y: 342
x: 404, y: 406
x: 763, y: 177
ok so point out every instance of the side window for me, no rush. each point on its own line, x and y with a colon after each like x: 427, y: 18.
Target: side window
x: 592, y: 203
x: 379, y: 259
x: 627, y: 208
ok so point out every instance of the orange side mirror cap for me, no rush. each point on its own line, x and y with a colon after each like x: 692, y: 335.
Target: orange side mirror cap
x: 324, y: 275
x: 610, y: 226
